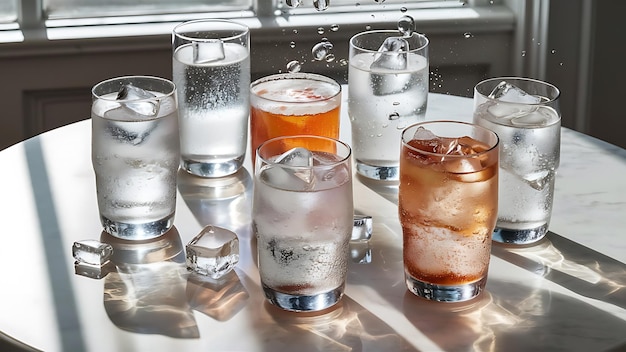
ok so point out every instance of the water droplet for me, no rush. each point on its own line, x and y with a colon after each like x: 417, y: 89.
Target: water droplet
x: 406, y: 25
x: 396, y: 103
x: 330, y: 57
x: 334, y: 27
x: 560, y: 64
x: 343, y: 62
x: 467, y: 35
x: 553, y: 51
x: 295, y: 31
x: 292, y: 45
x: 380, y: 1
x: 321, y: 5
x: 357, y: 4
x: 294, y: 66
x: 293, y: 3
x: 403, y: 9
x: 320, y: 30
x: 523, y: 52
x: 368, y: 27
x: 321, y: 50
x: 394, y: 116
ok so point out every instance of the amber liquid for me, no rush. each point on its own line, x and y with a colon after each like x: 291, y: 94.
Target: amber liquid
x: 265, y: 125
x: 447, y: 215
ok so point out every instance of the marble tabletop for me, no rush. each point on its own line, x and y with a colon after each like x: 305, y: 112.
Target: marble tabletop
x: 566, y: 293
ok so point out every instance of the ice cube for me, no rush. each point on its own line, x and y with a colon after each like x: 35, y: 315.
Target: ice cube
x: 510, y: 93
x: 362, y: 228
x: 139, y: 101
x: 538, y: 180
x: 392, y: 54
x: 424, y: 134
x: 208, y: 51
x: 541, y: 116
x: 92, y: 252
x: 213, y: 252
x: 302, y: 160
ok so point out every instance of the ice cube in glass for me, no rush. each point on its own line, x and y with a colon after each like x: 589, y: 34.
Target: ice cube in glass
x: 213, y: 252
x: 208, y: 51
x: 510, y: 93
x: 138, y: 100
x: 92, y: 252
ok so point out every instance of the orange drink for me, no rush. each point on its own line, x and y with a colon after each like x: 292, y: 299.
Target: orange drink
x: 448, y: 201
x: 294, y: 104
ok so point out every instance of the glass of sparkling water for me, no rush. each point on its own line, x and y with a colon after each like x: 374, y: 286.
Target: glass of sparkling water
x: 387, y: 91
x: 211, y: 68
x: 526, y: 116
x: 135, y: 155
x: 303, y: 218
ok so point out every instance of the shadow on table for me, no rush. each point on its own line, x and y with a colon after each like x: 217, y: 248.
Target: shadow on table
x: 575, y: 267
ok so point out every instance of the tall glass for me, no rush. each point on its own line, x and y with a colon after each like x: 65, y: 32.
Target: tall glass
x: 303, y: 217
x: 211, y: 68
x: 290, y: 104
x: 135, y: 154
x: 525, y: 114
x: 448, y: 201
x: 388, y: 91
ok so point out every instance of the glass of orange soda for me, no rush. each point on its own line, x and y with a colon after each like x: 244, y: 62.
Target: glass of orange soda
x: 448, y: 202
x: 288, y: 104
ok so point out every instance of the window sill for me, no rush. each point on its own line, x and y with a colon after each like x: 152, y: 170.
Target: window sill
x: 112, y: 34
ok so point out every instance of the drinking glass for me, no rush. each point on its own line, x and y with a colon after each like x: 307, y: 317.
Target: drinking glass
x: 388, y: 91
x: 448, y: 201
x: 303, y: 217
x: 290, y: 104
x: 135, y: 155
x: 526, y: 116
x: 211, y: 68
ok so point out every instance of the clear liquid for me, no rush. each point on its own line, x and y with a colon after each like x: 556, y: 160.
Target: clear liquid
x: 529, y: 157
x: 214, y: 104
x: 135, y: 162
x: 303, y: 236
x: 381, y: 104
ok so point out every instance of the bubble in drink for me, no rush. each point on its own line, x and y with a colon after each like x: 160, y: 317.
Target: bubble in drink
x: 208, y: 51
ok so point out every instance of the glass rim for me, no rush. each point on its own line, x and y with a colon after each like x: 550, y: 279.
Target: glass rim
x: 121, y: 79
x: 176, y: 31
x: 451, y: 122
x: 387, y: 31
x: 342, y: 159
x: 298, y: 76
x: 512, y: 79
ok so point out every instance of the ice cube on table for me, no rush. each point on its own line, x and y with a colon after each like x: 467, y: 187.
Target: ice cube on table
x: 92, y: 252
x: 96, y: 272
x: 510, y: 93
x: 392, y: 54
x: 138, y: 100
x: 362, y: 228
x: 214, y: 252
x: 208, y: 51
x: 360, y: 252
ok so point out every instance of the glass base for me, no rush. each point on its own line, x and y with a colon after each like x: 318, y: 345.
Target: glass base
x: 445, y: 293
x: 519, y: 236
x: 389, y: 173
x: 216, y: 169
x: 303, y: 303
x: 137, y: 232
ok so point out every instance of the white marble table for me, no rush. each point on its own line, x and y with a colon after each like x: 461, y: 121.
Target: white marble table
x: 566, y: 293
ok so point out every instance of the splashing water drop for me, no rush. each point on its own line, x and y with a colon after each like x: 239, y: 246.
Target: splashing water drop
x: 321, y: 5
x: 467, y: 35
x: 320, y: 30
x: 321, y: 50
x: 380, y: 1
x: 292, y: 45
x: 394, y: 116
x: 295, y: 31
x: 334, y: 27
x: 293, y: 3
x: 553, y: 51
x: 368, y: 27
x: 294, y: 66
x: 403, y: 9
x: 523, y: 52
x: 343, y: 62
x: 330, y: 57
x: 406, y: 25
